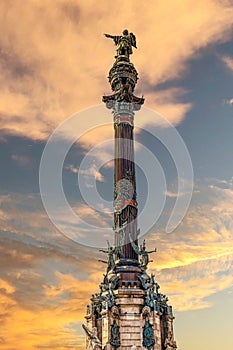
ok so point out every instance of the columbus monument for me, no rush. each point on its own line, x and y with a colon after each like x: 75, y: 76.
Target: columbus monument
x: 128, y: 311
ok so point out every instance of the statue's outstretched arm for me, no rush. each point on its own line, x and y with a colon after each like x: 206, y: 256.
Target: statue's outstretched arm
x: 115, y: 38
x: 152, y: 251
x: 109, y: 36
x: 87, y: 331
x: 104, y: 251
x: 135, y: 247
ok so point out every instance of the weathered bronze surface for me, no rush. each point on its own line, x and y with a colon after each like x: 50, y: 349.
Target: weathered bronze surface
x: 124, y: 43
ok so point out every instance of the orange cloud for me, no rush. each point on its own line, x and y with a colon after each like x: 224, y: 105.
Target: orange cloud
x: 194, y: 284
x: 40, y: 306
x: 61, y: 65
x: 205, y: 232
x: 198, y: 254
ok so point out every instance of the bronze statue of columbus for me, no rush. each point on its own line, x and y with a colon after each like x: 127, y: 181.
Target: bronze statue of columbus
x: 124, y: 43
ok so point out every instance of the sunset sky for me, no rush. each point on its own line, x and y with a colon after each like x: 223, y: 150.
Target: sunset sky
x: 54, y: 62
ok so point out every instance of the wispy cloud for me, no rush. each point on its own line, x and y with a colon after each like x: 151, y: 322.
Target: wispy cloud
x: 228, y: 61
x: 195, y: 283
x: 91, y: 172
x: 44, y: 289
x: 230, y: 101
x: 21, y: 160
x: 72, y: 168
x: 199, y: 253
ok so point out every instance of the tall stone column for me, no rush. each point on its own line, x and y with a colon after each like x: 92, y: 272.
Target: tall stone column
x: 125, y: 202
x: 123, y: 78
x: 128, y: 311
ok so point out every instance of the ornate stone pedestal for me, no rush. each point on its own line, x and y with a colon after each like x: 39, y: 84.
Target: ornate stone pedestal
x: 132, y: 314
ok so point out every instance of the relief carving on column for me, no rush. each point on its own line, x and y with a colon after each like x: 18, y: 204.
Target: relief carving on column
x: 148, y: 335
x: 115, y: 335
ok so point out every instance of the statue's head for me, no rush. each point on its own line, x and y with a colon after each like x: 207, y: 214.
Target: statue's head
x: 125, y: 32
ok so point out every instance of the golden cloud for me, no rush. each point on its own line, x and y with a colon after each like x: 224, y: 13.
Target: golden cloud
x: 40, y: 305
x: 198, y: 254
x: 52, y: 64
x: 191, y: 286
x: 205, y: 232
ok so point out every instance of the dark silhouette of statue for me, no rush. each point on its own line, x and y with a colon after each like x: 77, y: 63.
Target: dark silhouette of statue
x: 111, y: 259
x: 124, y: 43
x: 142, y: 252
